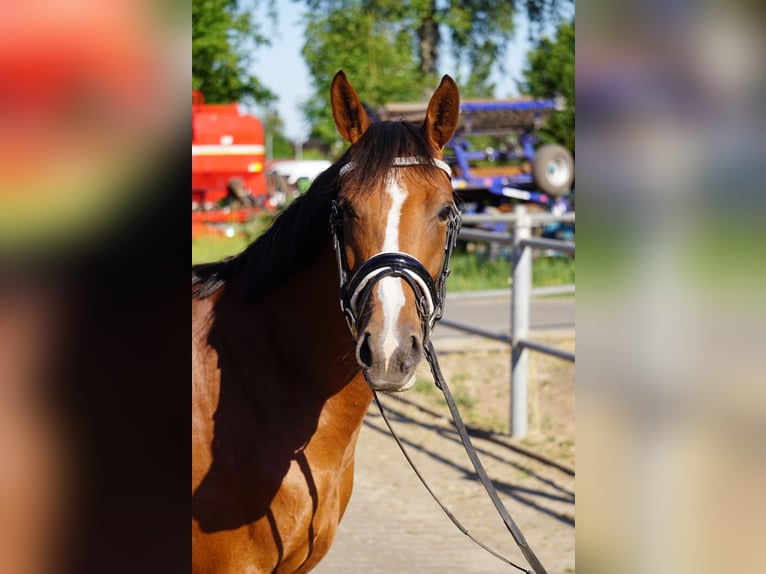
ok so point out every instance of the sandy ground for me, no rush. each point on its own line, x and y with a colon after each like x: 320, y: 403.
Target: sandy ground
x: 392, y: 524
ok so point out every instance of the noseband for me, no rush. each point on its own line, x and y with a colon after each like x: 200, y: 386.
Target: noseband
x: 355, y: 291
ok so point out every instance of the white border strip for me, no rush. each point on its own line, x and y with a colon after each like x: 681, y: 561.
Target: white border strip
x: 236, y: 149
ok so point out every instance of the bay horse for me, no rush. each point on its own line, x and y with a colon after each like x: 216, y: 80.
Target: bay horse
x: 280, y: 383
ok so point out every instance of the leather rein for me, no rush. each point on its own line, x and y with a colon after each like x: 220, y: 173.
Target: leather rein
x: 355, y: 291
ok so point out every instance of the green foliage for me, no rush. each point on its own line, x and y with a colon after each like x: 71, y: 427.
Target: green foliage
x: 311, y: 153
x: 282, y: 148
x: 390, y: 50
x: 549, y: 73
x: 479, y: 34
x: 273, y: 126
x: 376, y: 56
x: 223, y: 36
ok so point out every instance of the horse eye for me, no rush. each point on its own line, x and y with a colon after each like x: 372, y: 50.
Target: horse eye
x: 445, y: 213
x: 346, y: 209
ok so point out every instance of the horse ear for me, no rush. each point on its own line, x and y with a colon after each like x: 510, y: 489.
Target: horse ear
x: 347, y: 111
x: 442, y: 115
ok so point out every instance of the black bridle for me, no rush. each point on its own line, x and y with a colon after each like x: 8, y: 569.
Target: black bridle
x: 355, y: 291
x: 430, y: 295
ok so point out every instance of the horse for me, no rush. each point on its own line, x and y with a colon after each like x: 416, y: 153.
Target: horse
x: 281, y: 376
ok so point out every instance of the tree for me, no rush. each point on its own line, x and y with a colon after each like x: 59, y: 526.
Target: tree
x: 549, y: 73
x: 277, y: 145
x: 392, y: 50
x: 223, y: 36
x: 377, y: 57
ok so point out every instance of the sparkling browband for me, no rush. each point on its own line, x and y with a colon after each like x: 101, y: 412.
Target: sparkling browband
x: 406, y: 162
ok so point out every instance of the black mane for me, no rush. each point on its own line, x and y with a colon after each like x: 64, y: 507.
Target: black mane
x: 297, y: 235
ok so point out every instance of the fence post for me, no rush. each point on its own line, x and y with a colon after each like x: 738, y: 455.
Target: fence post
x: 520, y: 301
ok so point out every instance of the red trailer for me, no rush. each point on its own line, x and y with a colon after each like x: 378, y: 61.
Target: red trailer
x: 228, y: 156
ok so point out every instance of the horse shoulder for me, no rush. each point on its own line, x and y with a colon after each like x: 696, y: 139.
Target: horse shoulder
x: 205, y: 387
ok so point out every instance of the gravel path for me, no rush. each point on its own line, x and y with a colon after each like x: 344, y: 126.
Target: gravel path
x: 392, y: 525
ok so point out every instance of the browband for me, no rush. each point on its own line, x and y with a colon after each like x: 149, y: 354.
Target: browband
x: 406, y: 162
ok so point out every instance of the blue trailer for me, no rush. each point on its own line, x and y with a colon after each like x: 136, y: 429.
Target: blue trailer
x: 514, y: 167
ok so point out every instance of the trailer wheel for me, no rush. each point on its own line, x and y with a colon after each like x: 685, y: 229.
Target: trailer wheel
x: 553, y: 169
x: 238, y: 194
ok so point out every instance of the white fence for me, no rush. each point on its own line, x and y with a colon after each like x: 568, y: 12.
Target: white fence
x: 521, y: 295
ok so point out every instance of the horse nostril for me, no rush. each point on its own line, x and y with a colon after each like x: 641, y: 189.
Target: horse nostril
x: 363, y: 351
x: 412, y: 357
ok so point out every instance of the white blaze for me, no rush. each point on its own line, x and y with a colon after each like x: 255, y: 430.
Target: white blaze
x: 390, y: 289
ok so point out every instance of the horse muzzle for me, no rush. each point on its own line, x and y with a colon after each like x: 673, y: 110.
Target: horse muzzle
x: 388, y: 349
x: 389, y: 361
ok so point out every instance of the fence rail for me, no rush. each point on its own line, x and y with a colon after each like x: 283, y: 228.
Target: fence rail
x: 535, y: 219
x: 521, y: 295
x: 555, y: 244
x: 548, y: 350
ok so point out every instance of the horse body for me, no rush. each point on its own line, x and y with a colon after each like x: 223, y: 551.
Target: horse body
x: 267, y: 449
x: 280, y: 384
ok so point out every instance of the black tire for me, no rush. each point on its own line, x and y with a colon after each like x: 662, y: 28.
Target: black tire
x: 553, y: 169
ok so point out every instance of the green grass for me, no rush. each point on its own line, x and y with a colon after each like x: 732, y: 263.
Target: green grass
x: 477, y: 272
x: 216, y: 247
x: 470, y: 271
x: 206, y: 249
x: 467, y: 404
x: 553, y: 271
x: 425, y: 387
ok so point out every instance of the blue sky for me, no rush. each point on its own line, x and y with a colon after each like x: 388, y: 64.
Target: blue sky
x: 281, y: 67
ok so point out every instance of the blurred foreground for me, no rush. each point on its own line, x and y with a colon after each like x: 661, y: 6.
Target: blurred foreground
x: 671, y: 400
x: 90, y: 408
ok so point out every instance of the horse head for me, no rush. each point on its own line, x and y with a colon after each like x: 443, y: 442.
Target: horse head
x: 396, y: 219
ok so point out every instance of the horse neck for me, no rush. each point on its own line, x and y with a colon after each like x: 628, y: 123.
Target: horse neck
x: 307, y: 330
